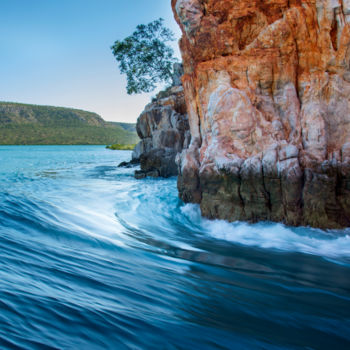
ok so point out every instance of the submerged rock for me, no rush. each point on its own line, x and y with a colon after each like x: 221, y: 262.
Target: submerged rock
x: 133, y: 162
x: 268, y: 96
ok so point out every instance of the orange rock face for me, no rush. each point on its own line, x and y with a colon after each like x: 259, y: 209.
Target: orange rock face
x: 267, y: 87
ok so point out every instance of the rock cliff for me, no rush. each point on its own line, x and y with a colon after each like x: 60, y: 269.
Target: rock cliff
x: 164, y: 131
x: 267, y: 87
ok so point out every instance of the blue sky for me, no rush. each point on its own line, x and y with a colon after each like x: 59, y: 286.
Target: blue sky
x: 57, y: 52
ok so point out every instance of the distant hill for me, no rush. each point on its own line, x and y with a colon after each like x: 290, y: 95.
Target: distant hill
x: 23, y: 124
x: 127, y: 126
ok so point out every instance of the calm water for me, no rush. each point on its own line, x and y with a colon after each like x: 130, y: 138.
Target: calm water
x: 92, y: 259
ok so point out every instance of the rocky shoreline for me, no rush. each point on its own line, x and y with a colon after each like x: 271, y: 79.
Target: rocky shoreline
x: 267, y: 91
x: 272, y: 186
x: 268, y: 98
x: 164, y: 132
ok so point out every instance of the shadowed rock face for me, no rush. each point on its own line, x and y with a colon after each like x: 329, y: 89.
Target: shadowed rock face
x: 267, y: 87
x: 164, y: 132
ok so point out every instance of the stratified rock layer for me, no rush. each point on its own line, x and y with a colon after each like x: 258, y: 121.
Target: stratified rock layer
x: 267, y: 87
x: 164, y: 132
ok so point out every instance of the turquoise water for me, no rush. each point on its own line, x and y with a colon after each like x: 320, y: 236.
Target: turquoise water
x: 91, y: 258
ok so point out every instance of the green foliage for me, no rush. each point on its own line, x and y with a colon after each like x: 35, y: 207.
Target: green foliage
x: 22, y: 124
x: 31, y: 134
x: 126, y: 126
x: 47, y: 115
x: 145, y: 57
x: 119, y: 147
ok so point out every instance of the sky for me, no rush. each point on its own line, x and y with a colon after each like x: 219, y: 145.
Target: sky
x: 57, y: 52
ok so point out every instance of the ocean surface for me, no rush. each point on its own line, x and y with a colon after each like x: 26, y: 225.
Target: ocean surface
x: 91, y: 258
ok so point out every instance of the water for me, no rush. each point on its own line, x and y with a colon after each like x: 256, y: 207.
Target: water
x: 91, y: 258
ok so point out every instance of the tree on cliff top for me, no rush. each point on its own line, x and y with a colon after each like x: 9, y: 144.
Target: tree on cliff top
x: 145, y: 57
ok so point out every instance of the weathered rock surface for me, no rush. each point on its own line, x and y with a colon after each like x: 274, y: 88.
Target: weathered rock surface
x: 164, y: 132
x: 267, y: 87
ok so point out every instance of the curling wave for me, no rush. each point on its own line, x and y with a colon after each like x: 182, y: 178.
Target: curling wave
x: 91, y: 258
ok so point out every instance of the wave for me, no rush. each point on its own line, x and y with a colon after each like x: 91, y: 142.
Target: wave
x: 330, y: 244
x: 91, y: 258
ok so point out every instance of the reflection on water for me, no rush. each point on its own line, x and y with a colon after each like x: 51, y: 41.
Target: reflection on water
x: 91, y: 258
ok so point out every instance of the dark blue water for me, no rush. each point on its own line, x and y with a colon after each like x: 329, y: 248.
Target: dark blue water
x: 91, y: 258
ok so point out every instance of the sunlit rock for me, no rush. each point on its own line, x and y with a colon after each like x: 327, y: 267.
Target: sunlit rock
x: 267, y: 88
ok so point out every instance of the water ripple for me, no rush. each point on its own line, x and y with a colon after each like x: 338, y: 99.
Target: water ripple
x: 91, y: 258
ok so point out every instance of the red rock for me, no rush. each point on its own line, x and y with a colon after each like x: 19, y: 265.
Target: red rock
x: 267, y: 88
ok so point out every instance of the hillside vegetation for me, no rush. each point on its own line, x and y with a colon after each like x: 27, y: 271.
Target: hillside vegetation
x: 23, y: 124
x: 119, y: 147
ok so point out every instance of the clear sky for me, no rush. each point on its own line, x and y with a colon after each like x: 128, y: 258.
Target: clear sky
x: 57, y: 52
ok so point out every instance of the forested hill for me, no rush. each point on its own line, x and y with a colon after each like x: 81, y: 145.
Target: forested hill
x: 23, y: 124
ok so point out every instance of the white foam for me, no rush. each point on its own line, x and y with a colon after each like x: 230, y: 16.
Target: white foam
x: 330, y: 244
